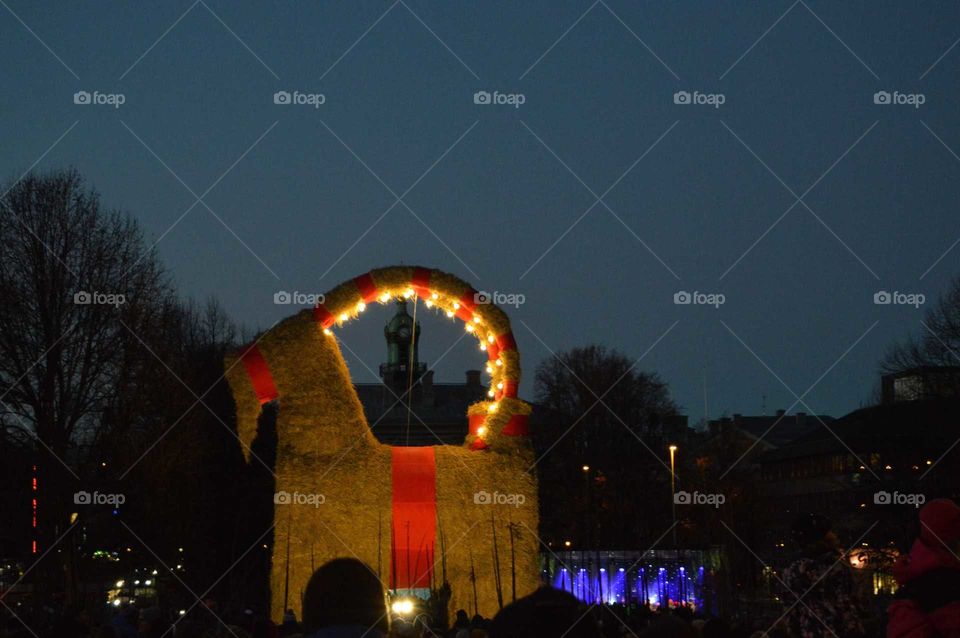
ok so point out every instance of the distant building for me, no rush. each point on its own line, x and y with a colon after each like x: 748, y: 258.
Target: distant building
x: 842, y: 465
x: 917, y: 384
x: 917, y: 422
x: 871, y: 469
x: 431, y: 413
x: 768, y: 431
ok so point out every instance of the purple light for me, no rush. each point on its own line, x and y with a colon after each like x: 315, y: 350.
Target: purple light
x: 621, y: 581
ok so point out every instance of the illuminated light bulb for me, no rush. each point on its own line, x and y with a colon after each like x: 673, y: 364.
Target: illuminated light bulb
x: 361, y: 307
x: 407, y: 293
x: 491, y: 338
x: 491, y: 394
x: 482, y: 430
x: 500, y: 386
x: 327, y: 331
x: 489, y: 370
x: 385, y: 297
x: 344, y: 316
x: 450, y: 313
x: 492, y: 407
x: 469, y: 327
x: 456, y: 306
x: 428, y: 303
x: 499, y: 363
x: 483, y: 346
x: 476, y: 318
x: 434, y: 296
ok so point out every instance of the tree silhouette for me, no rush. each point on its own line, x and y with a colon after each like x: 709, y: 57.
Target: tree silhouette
x: 78, y: 286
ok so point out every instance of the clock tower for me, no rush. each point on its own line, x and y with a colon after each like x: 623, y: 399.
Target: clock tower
x: 403, y: 345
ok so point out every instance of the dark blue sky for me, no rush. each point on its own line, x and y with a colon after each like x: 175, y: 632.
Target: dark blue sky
x: 497, y: 186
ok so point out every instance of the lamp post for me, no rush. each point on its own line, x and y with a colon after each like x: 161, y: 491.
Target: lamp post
x: 590, y: 537
x: 673, y: 491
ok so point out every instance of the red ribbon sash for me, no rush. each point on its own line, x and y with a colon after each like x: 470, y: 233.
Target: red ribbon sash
x: 367, y: 287
x: 414, y: 472
x: 420, y: 282
x: 259, y: 374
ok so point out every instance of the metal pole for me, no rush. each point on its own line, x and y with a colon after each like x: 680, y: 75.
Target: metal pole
x: 673, y: 492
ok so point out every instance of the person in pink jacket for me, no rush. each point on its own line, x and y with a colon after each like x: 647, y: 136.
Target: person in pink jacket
x: 927, y: 604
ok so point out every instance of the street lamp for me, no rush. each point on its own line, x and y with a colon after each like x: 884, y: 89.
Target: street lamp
x: 673, y: 491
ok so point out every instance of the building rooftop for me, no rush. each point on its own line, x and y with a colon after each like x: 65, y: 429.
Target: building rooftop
x: 774, y: 430
x: 432, y: 413
x: 906, y: 425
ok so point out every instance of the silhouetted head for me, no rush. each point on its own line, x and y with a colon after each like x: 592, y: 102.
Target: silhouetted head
x: 107, y: 631
x: 344, y: 592
x: 670, y: 627
x: 545, y: 612
x: 462, y: 620
x: 716, y: 628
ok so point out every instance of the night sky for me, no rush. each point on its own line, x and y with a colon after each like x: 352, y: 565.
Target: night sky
x: 692, y: 197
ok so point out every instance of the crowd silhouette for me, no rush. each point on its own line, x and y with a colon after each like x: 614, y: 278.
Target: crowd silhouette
x: 345, y: 599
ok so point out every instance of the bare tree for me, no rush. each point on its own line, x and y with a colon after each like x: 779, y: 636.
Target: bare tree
x: 595, y: 455
x: 938, y: 343
x: 78, y: 288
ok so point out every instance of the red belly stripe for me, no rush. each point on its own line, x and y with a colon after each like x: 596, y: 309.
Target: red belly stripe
x: 414, y: 472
